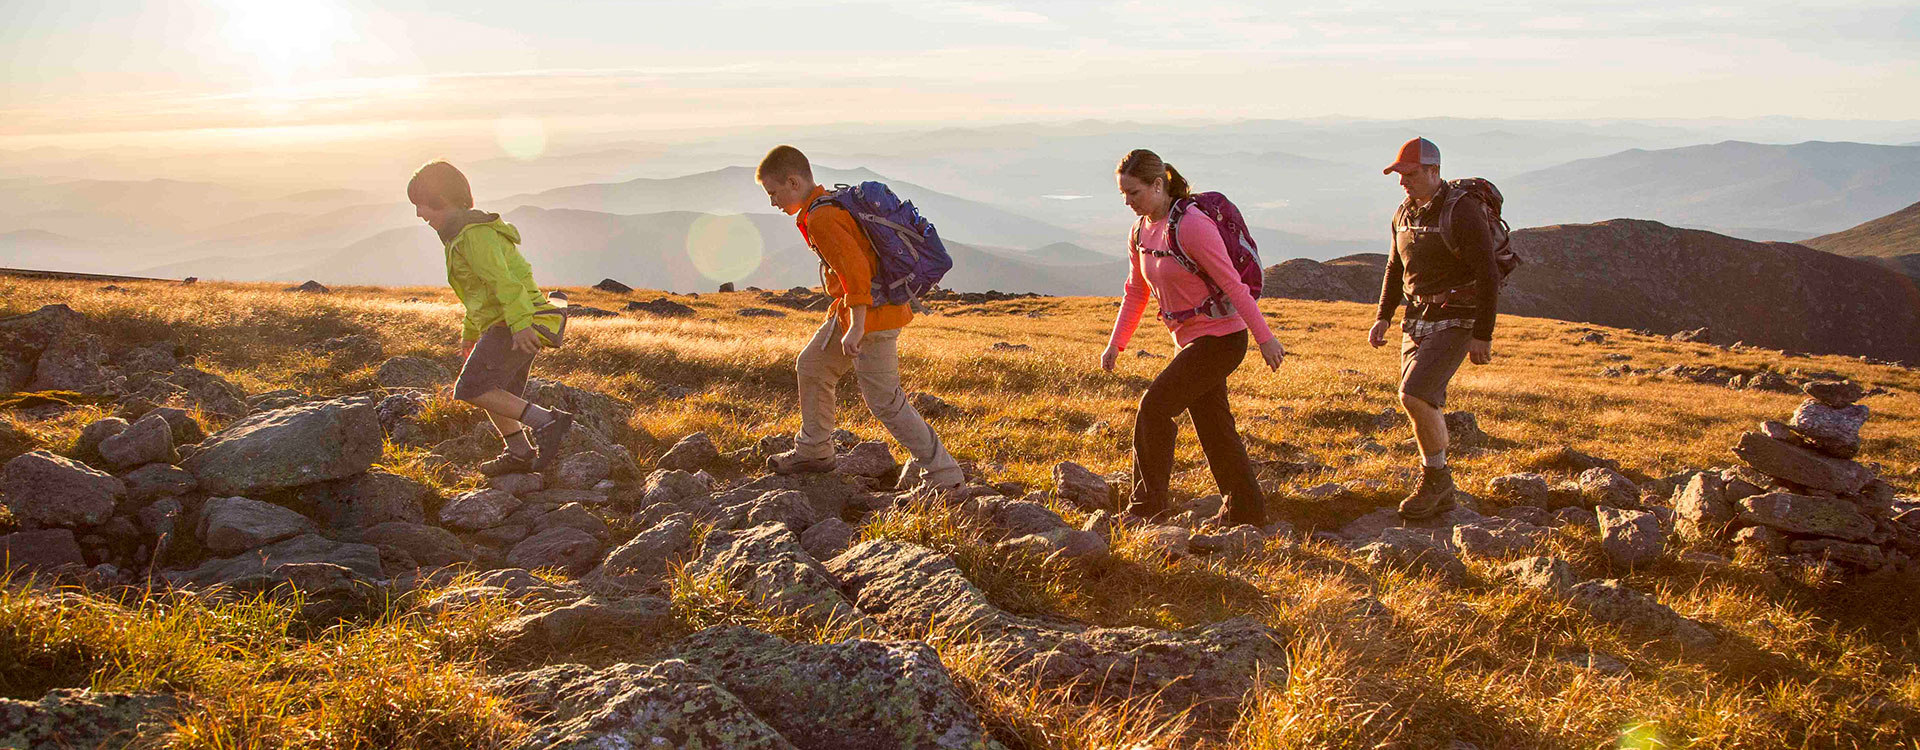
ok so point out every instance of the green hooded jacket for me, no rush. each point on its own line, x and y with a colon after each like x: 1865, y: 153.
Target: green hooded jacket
x: 486, y: 272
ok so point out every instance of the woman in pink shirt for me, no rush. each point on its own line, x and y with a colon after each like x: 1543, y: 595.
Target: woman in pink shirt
x: 1210, y: 331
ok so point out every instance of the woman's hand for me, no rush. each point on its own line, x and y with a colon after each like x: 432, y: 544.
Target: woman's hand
x: 1273, y: 353
x: 1109, y: 357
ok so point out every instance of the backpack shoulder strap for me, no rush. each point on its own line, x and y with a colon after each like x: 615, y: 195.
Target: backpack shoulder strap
x: 1176, y: 212
x: 1454, y: 194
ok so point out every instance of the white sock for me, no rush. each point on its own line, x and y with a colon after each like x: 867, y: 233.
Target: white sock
x: 1436, y: 460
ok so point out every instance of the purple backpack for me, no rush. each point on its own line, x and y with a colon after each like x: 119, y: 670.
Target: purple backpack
x: 1241, y: 251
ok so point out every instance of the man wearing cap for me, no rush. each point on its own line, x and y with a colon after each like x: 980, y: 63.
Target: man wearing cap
x: 1451, y: 290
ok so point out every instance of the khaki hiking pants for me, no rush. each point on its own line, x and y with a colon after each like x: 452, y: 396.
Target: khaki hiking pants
x: 821, y: 366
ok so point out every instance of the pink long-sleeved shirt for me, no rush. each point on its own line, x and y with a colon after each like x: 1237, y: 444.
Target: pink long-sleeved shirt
x: 1178, y: 289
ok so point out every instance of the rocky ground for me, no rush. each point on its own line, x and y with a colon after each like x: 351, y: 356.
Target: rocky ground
x: 861, y: 615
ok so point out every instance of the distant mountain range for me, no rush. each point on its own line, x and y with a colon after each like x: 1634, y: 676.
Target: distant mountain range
x: 1811, y: 187
x: 1643, y: 274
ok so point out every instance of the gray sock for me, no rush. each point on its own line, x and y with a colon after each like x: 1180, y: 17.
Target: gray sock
x: 1436, y: 460
x: 534, y: 416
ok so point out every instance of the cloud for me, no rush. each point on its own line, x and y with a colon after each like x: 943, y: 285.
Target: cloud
x: 989, y: 12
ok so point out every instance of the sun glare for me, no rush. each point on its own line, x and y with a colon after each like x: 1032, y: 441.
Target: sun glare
x: 286, y: 36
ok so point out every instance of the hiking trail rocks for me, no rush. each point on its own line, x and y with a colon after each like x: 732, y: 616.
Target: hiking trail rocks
x: 911, y: 590
x: 1079, y: 485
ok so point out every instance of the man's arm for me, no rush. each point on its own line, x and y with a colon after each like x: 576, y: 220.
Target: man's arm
x: 839, y: 242
x: 1473, y: 237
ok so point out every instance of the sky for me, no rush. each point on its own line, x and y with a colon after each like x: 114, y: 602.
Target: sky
x: 124, y: 71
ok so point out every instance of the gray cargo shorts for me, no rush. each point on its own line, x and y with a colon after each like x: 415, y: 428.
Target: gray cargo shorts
x: 1428, y: 363
x: 493, y: 364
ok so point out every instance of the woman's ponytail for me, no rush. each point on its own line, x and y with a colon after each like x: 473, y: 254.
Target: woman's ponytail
x: 1177, y: 186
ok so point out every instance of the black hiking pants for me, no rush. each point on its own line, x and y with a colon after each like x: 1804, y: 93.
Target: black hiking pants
x: 1195, y: 382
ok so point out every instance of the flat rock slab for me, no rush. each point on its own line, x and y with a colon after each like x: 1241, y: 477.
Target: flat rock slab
x: 1805, y: 514
x: 769, y: 565
x: 236, y: 524
x: 78, y: 718
x: 1801, y: 466
x: 911, y: 590
x: 361, y: 559
x: 291, y: 447
x: 662, y: 705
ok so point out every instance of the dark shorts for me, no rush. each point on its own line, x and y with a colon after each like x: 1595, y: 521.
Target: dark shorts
x: 493, y: 364
x: 1428, y: 363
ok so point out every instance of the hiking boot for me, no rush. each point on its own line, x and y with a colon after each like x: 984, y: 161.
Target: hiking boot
x: 507, y: 462
x: 791, y: 462
x: 548, y: 439
x: 1432, y: 497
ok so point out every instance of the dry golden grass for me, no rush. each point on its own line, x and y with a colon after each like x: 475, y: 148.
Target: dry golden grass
x: 1801, y: 666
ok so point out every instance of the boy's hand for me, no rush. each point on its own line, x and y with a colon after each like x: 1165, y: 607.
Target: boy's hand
x: 850, y: 343
x: 1378, y: 336
x: 1109, y: 357
x: 526, y: 341
x: 466, y: 348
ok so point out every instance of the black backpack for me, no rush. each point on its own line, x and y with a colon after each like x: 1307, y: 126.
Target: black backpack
x: 1504, y: 257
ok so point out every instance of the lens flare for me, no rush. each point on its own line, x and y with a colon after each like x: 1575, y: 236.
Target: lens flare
x: 523, y: 138
x: 725, y: 247
x: 1643, y: 736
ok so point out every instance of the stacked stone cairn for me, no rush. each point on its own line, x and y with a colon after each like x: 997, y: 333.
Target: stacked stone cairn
x: 1801, y: 499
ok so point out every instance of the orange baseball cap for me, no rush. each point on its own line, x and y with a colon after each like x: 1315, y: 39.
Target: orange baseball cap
x: 1414, y: 154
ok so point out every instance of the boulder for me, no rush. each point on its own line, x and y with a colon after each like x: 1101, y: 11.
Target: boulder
x: 1631, y: 537
x: 310, y: 287
x: 236, y: 524
x: 1805, y: 514
x: 72, y: 362
x: 148, y: 440
x: 362, y: 560
x: 478, y: 509
x: 868, y: 459
x: 1835, y: 394
x: 24, y: 337
x: 1406, y: 549
x: 82, y: 718
x: 588, y: 619
x: 692, y: 453
x: 791, y: 507
x: 42, y: 551
x: 1701, y: 509
x: 412, y: 372
x: 369, y: 499
x: 563, y: 547
x: 1072, y: 544
x: 425, y: 546
x: 603, y: 414
x: 931, y: 406
x: 1526, y: 488
x: 291, y: 447
x: 208, y: 392
x: 769, y: 566
x: 1835, y: 432
x: 87, y: 445
x: 857, y: 694
x: 649, y: 555
x: 1079, y: 485
x: 43, y: 489
x: 581, y: 471
x: 1605, y: 486
x: 609, y: 285
x: 674, y: 486
x: 667, y: 704
x: 352, y: 349
x: 661, y: 307
x: 1850, y: 554
x: 828, y: 538
x: 1015, y: 518
x: 517, y: 484
x: 1239, y: 540
x: 186, y: 429
x: 1801, y: 466
x: 155, y: 481
x: 1498, y: 537
x: 572, y: 516
x: 1549, y: 574
x: 1611, y: 601
x: 1164, y: 541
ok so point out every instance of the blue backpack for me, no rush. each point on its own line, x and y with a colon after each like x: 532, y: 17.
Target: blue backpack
x: 912, y: 258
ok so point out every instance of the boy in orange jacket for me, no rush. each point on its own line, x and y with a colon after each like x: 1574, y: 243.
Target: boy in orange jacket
x: 857, y: 335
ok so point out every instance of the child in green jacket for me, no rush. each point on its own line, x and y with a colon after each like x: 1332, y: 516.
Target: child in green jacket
x: 507, y: 321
